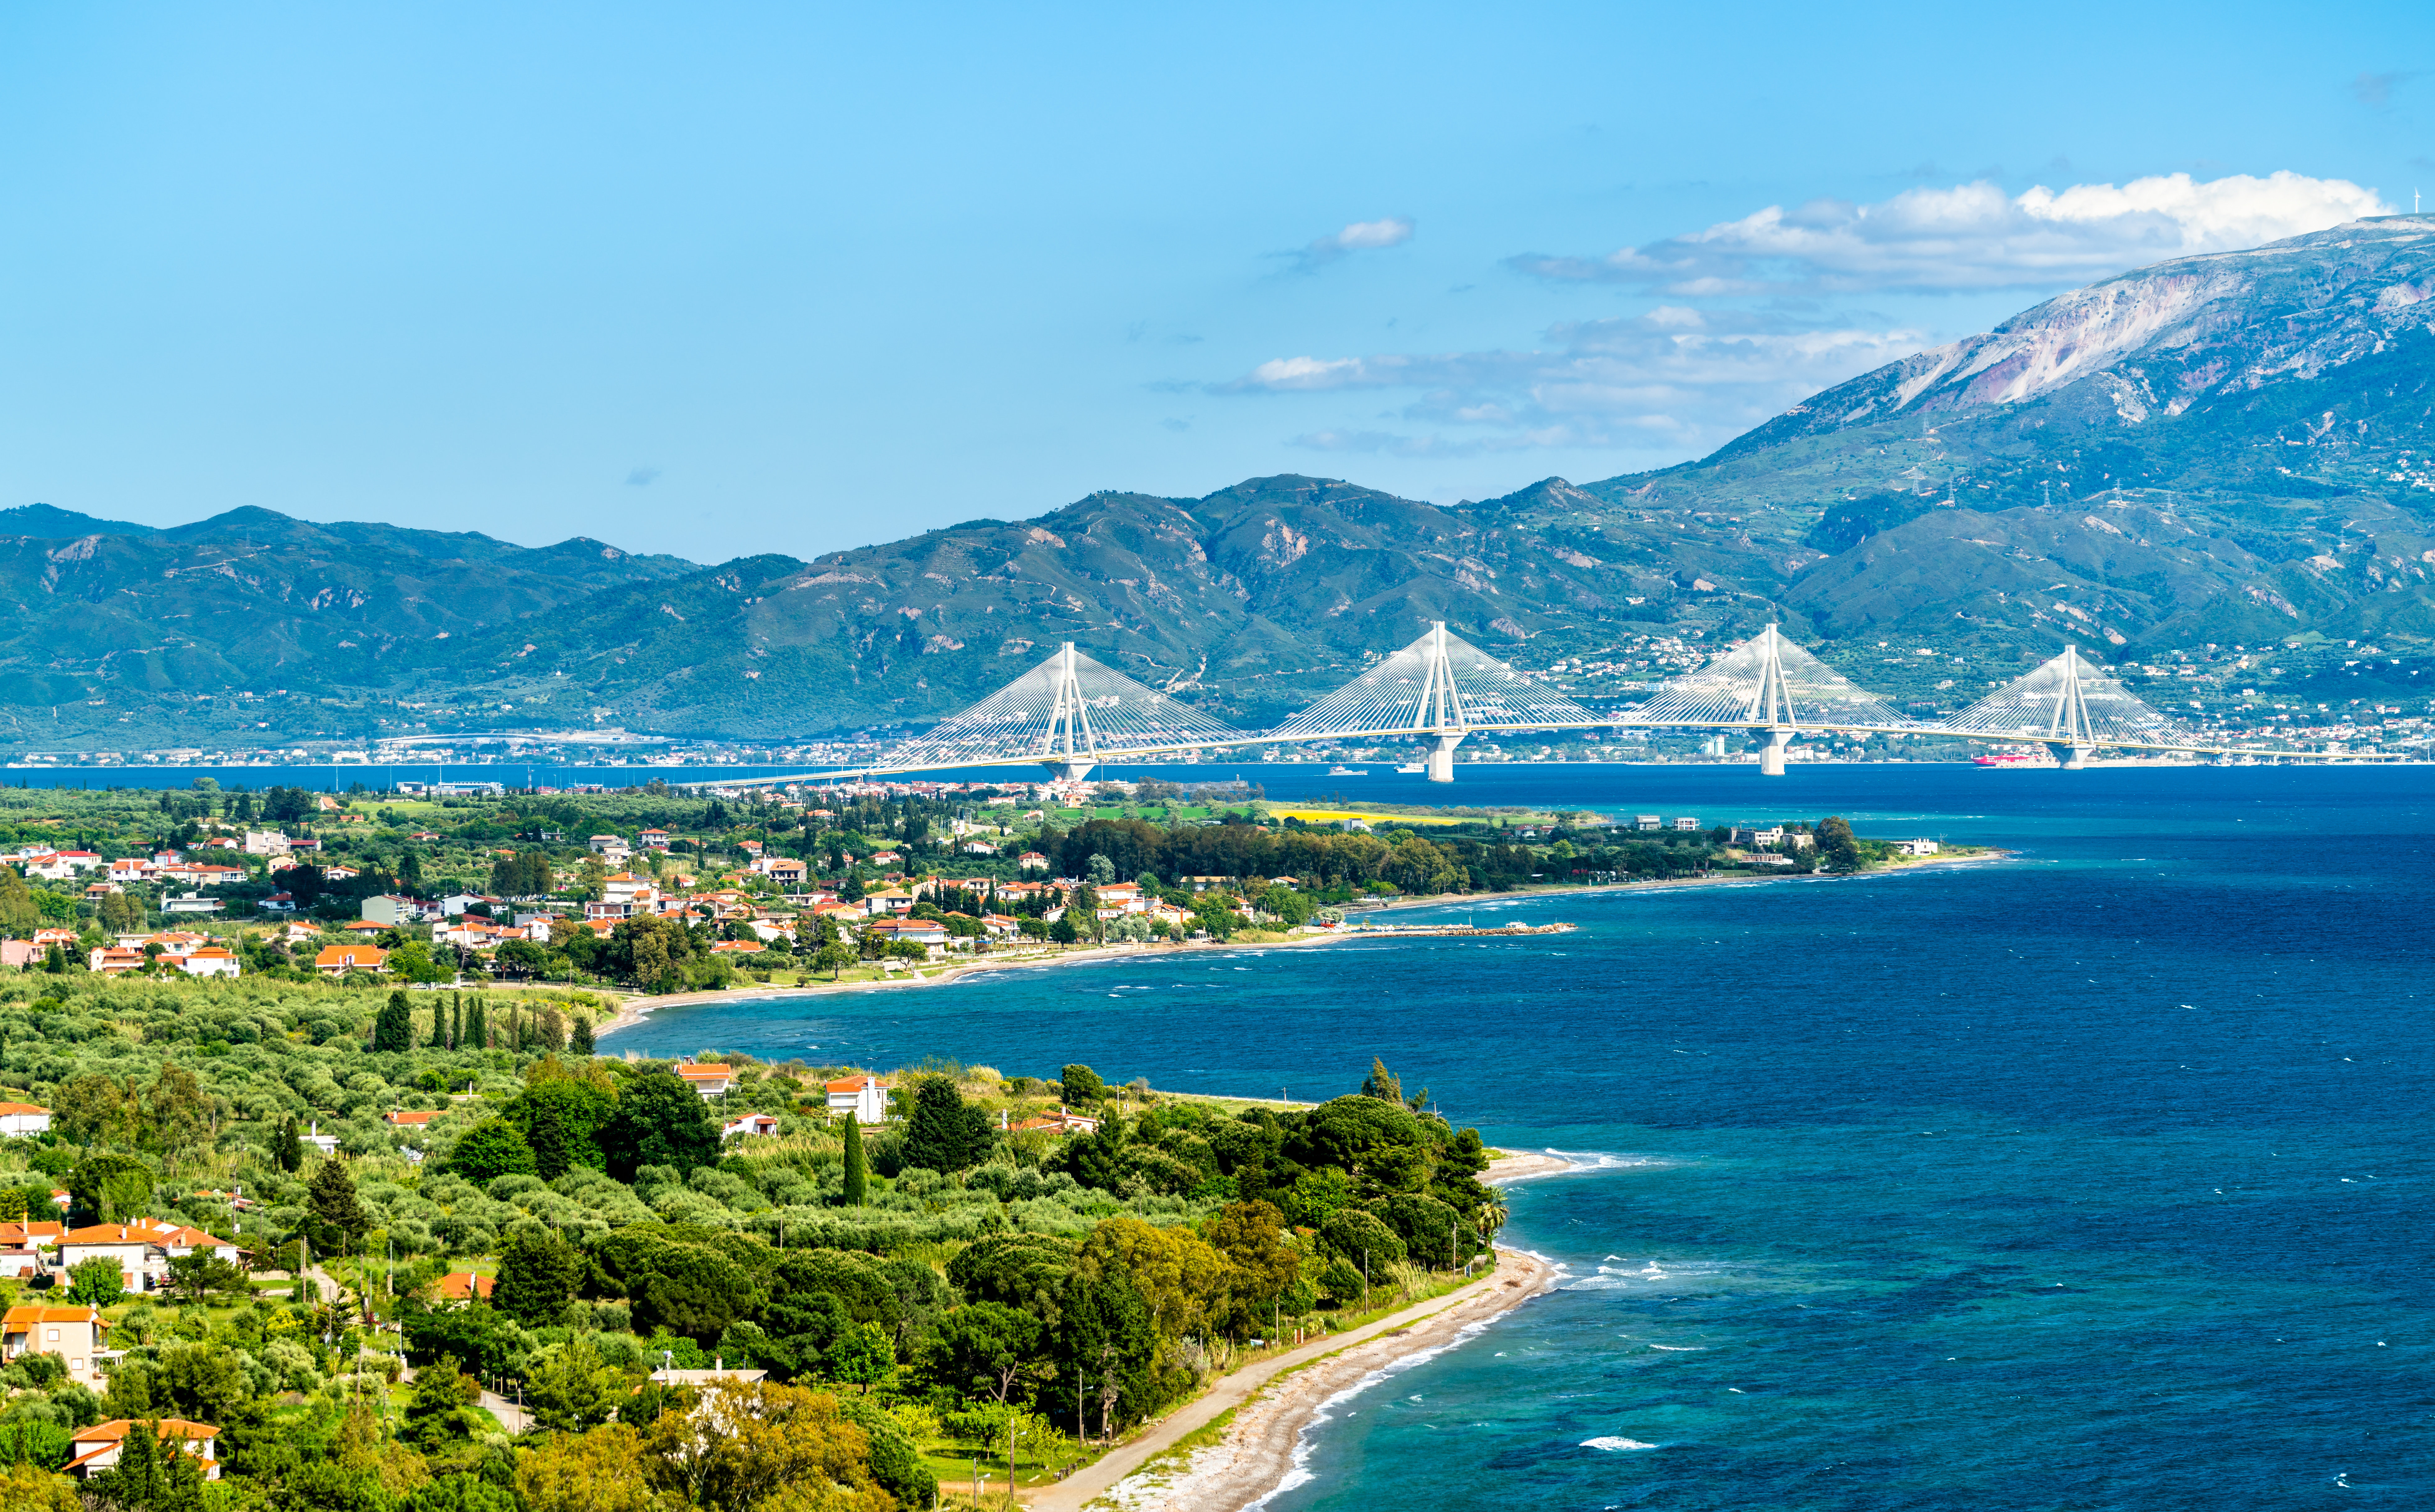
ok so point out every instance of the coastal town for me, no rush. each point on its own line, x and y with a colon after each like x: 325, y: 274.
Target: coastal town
x: 662, y: 891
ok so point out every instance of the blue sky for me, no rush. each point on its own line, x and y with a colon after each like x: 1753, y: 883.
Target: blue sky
x: 725, y: 278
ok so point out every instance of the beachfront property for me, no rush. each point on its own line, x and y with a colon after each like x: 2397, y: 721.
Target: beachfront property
x: 1917, y: 848
x: 23, y: 1118
x: 74, y: 1333
x: 1686, y: 823
x: 865, y: 1097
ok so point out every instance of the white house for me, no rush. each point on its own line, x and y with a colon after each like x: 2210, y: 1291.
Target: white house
x: 865, y: 1097
x: 97, y: 1449
x: 130, y: 1247
x: 751, y: 1124
x: 1917, y: 848
x: 1686, y: 822
x: 211, y: 960
x: 326, y: 1143
x: 710, y: 1081
x: 23, y: 1118
x: 264, y: 843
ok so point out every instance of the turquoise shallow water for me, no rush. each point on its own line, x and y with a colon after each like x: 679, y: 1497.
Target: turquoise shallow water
x: 2092, y: 1178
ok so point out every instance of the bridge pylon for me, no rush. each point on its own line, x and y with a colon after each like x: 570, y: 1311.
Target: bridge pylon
x: 1774, y: 705
x: 1069, y: 714
x: 1441, y: 688
x: 2071, y: 706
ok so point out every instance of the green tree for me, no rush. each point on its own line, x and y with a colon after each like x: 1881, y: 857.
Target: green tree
x: 561, y: 1119
x: 441, y: 1412
x: 287, y: 1146
x: 490, y: 1149
x: 946, y: 1133
x: 176, y: 1110
x: 857, y: 1172
x: 19, y: 914
x: 1106, y: 1338
x: 986, y: 1349
x: 660, y: 1121
x: 538, y: 1274
x: 1382, y: 1083
x: 477, y: 1027
x: 578, y: 1039
x: 861, y: 1356
x: 574, y: 1390
x: 412, y: 961
x: 1081, y: 1087
x: 95, y: 1109
x: 95, y: 1282
x: 393, y: 1026
x: 333, y: 1212
x: 1836, y: 846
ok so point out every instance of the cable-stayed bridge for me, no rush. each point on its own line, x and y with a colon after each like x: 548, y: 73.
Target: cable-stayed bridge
x: 1072, y: 713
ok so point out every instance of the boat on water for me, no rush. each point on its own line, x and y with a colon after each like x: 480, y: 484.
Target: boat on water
x: 1348, y: 771
x: 1413, y: 768
x: 2034, y: 756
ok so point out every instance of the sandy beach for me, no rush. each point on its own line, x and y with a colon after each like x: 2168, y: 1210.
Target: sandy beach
x: 1274, y: 1400
x: 1277, y: 1400
x: 635, y: 1008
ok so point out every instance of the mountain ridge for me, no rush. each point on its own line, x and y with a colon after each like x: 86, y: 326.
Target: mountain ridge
x: 2214, y: 452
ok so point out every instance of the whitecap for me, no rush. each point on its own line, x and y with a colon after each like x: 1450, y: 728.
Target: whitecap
x: 1615, y: 1443
x: 1680, y: 1349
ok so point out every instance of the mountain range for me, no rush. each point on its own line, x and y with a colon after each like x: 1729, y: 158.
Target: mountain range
x: 2217, y: 450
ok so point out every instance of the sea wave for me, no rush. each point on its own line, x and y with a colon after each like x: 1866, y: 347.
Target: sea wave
x: 1615, y: 1443
x: 1301, y: 1473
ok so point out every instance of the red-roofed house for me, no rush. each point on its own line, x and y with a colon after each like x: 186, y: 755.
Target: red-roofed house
x: 23, y: 1118
x: 74, y: 1333
x: 711, y: 1081
x: 97, y: 1449
x: 405, y: 1118
x: 865, y: 1097
x: 751, y: 1124
x: 338, y: 960
x: 463, y: 1286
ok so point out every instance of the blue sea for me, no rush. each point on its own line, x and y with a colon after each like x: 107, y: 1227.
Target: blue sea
x: 2092, y: 1177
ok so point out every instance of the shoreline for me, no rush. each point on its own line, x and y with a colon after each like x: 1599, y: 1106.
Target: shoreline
x: 1276, y: 1406
x: 1276, y: 1400
x: 637, y: 1008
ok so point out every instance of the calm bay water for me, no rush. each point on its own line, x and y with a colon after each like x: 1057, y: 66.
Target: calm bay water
x: 2092, y: 1178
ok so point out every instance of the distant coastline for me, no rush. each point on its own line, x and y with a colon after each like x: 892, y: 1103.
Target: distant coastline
x: 636, y: 1009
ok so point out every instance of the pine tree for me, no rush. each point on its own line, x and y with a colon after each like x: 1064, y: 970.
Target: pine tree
x: 337, y: 1216
x: 393, y: 1026
x: 857, y: 1177
x: 579, y: 1040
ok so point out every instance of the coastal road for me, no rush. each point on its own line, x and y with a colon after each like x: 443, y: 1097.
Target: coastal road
x: 1093, y: 1481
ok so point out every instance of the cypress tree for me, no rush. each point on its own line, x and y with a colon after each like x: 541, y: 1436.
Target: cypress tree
x: 857, y: 1178
x: 457, y: 1027
x: 287, y: 1146
x: 578, y: 1039
x: 477, y: 1026
x: 393, y: 1026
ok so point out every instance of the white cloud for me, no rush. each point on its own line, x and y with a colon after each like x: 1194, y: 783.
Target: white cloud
x: 1361, y: 236
x: 1672, y: 380
x: 1974, y: 236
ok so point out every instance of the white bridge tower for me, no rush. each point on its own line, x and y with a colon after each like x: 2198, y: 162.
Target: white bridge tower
x: 1771, y: 705
x: 1069, y: 716
x: 1442, y: 712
